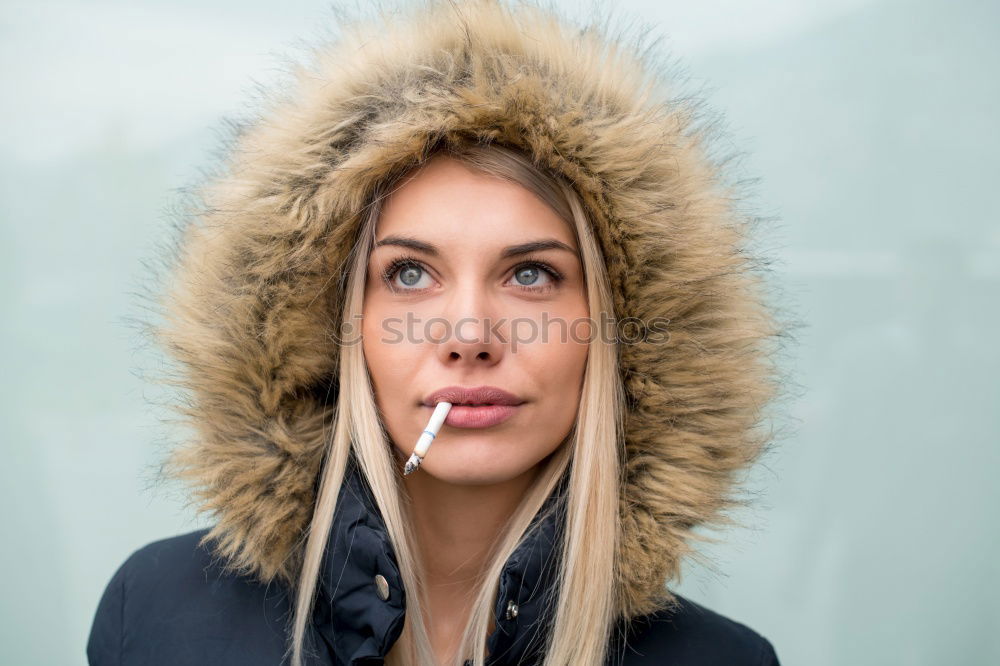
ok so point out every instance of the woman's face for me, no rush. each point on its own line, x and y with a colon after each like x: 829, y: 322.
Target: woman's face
x: 451, y: 300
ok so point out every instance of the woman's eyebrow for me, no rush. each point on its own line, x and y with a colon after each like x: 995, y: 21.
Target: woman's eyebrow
x: 536, y: 246
x: 510, y: 251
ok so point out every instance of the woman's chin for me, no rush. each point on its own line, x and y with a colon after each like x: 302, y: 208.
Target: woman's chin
x: 470, y: 465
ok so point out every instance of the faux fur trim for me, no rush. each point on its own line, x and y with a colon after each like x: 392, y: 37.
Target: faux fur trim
x: 252, y: 286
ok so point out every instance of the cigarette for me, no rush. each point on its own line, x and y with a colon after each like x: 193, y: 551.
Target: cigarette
x: 426, y: 437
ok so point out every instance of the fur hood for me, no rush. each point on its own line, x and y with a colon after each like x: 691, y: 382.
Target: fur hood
x: 253, y: 283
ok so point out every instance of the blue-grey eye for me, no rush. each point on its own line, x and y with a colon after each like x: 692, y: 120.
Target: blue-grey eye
x: 410, y: 275
x: 529, y: 273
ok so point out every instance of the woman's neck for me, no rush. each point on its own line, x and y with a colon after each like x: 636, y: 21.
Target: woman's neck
x: 456, y: 527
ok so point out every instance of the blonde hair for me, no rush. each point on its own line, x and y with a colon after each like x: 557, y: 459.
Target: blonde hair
x: 585, y: 610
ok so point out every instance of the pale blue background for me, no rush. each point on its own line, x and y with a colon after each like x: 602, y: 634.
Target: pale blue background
x: 872, y: 125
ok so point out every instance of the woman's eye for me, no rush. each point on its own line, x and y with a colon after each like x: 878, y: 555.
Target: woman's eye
x: 531, y: 275
x: 408, y: 274
x: 536, y: 276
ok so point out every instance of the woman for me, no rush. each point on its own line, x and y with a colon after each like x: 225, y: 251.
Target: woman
x: 479, y: 204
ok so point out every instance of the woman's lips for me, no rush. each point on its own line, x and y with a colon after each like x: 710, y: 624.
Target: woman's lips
x: 481, y: 416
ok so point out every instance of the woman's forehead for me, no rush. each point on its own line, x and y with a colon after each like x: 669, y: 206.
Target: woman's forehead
x: 448, y: 205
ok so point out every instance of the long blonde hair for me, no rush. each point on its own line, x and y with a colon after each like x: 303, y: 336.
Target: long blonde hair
x: 584, y: 615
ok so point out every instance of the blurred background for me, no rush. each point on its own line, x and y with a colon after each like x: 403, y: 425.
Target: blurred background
x: 872, y: 126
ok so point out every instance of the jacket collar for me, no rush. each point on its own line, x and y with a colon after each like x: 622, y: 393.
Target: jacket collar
x: 360, y: 627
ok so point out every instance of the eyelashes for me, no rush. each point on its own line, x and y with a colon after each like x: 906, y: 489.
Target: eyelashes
x: 407, y: 260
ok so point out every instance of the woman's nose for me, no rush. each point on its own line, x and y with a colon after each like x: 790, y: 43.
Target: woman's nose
x: 470, y: 329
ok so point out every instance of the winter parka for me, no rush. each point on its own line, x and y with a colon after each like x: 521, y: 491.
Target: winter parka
x: 171, y: 604
x: 256, y: 278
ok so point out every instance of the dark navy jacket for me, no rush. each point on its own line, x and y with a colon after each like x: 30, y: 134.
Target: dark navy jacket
x: 170, y: 604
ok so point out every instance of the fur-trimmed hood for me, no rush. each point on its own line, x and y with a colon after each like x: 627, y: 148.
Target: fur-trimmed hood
x: 254, y: 284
